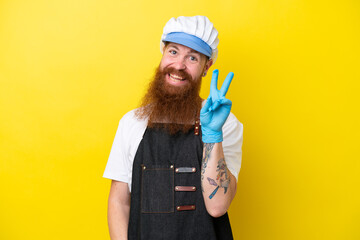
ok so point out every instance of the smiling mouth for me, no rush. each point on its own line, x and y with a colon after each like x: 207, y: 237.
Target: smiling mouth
x: 176, y: 78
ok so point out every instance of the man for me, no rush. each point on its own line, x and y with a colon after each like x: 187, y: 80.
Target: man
x: 173, y: 178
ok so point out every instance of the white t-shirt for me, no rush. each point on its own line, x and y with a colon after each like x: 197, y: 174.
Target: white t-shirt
x: 131, y: 130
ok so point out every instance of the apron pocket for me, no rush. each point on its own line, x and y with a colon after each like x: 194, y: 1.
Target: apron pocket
x: 157, y: 190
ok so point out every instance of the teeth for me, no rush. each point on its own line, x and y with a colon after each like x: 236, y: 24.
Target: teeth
x: 176, y: 78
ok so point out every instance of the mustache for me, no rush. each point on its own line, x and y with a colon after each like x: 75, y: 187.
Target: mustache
x: 181, y: 73
x: 177, y: 106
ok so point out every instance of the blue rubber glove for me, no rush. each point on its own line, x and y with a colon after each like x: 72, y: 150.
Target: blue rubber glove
x: 216, y: 110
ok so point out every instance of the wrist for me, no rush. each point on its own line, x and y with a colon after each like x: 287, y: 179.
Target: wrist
x: 210, y: 136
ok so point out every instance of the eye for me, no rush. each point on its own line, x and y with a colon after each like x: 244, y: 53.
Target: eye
x: 172, y: 52
x: 193, y: 59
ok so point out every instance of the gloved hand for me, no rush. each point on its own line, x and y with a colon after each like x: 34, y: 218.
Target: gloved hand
x: 216, y: 110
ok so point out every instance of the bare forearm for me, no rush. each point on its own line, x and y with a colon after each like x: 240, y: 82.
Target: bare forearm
x: 218, y: 184
x: 118, y: 220
x: 118, y: 210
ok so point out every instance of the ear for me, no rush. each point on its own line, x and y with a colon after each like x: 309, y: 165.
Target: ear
x: 207, y: 66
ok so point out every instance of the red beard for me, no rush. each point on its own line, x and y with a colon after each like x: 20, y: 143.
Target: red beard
x: 174, y: 108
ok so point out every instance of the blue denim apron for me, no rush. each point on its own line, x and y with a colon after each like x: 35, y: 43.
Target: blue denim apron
x: 166, y: 197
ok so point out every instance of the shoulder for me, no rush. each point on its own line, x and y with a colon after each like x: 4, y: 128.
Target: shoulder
x: 232, y: 122
x: 131, y: 127
x: 129, y: 116
x: 232, y: 144
x: 130, y: 119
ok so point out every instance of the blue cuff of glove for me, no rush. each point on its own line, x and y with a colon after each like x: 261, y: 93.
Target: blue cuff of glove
x: 211, y: 136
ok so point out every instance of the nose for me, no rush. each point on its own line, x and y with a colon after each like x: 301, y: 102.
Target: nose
x: 180, y: 64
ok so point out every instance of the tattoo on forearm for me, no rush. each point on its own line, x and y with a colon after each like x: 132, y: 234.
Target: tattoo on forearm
x: 212, y: 182
x: 213, y: 193
x: 223, y: 177
x: 207, y: 150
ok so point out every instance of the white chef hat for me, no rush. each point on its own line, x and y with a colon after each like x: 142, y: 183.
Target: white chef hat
x: 196, y: 32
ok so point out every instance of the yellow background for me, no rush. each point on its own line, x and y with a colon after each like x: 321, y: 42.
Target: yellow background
x: 69, y: 70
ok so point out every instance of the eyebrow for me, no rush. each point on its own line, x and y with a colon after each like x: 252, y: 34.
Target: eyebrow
x: 193, y: 51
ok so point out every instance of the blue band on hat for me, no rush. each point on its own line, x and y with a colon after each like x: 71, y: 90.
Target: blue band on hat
x: 190, y: 41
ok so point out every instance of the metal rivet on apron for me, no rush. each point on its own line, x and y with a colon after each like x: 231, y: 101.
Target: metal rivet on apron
x: 144, y: 167
x: 176, y: 188
x: 177, y: 170
x: 193, y: 169
x: 194, y: 188
x: 178, y: 208
x: 172, y: 166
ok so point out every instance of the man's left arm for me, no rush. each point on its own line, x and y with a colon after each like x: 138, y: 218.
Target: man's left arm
x: 218, y: 183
